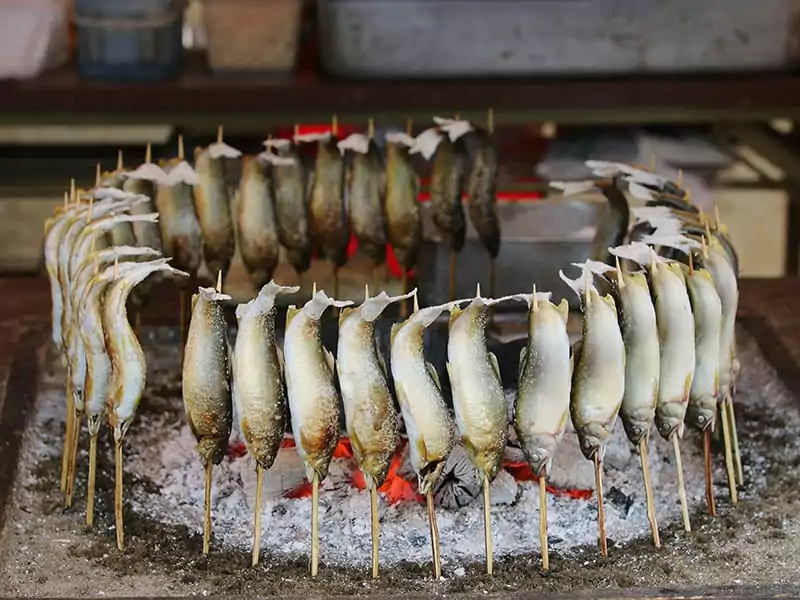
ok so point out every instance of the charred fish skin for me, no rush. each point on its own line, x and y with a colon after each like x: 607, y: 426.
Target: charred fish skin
x: 366, y: 187
x: 329, y: 226
x: 291, y: 205
x: 637, y: 321
x: 478, y: 399
x: 368, y: 405
x: 541, y: 407
x: 402, y: 205
x: 677, y: 356
x: 180, y: 229
x: 447, y: 184
x: 206, y: 376
x: 258, y: 391
x: 707, y: 310
x: 598, y: 378
x: 481, y: 187
x: 212, y: 205
x: 429, y: 426
x: 258, y: 232
x: 313, y: 398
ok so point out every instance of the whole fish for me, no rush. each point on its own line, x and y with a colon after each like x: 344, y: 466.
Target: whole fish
x: 147, y: 235
x: 207, y: 376
x: 91, y: 239
x: 180, y: 230
x: 212, y: 205
x: 368, y: 405
x: 541, y: 407
x: 404, y: 227
x: 481, y: 188
x: 598, y: 377
x: 724, y: 279
x: 328, y: 218
x: 122, y: 234
x: 366, y: 185
x: 258, y: 231
x: 447, y: 184
x: 291, y: 206
x: 707, y: 311
x: 313, y: 398
x: 478, y: 399
x: 258, y: 392
x: 429, y: 426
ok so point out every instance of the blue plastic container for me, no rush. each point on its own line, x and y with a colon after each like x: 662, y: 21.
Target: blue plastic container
x: 120, y: 40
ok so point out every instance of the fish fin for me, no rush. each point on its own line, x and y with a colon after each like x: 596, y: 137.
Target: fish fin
x: 291, y: 313
x: 330, y: 360
x: 435, y: 374
x: 212, y: 295
x: 495, y: 366
x: 454, y: 313
x: 396, y: 327
x: 523, y: 360
x: 572, y: 359
x: 344, y: 313
x: 687, y: 386
x: 609, y: 299
x: 563, y: 309
x: 195, y: 297
x: 575, y: 350
x: 372, y: 308
x: 320, y: 302
x: 422, y: 449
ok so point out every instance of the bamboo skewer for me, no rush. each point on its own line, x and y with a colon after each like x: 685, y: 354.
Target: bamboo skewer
x: 437, y: 562
x: 207, y: 520
x: 67, y: 437
x: 314, y: 524
x: 73, y: 454
x: 687, y: 526
x: 712, y: 506
x: 601, y: 510
x: 373, y: 506
x: 648, y: 491
x: 118, y: 492
x: 257, y: 515
x: 735, y: 439
x: 91, y: 483
x: 543, y: 519
x: 487, y: 526
x: 404, y: 303
x: 729, y: 466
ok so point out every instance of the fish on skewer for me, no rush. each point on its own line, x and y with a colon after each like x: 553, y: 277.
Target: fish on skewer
x: 637, y: 322
x: 429, y: 425
x: 257, y: 226
x: 128, y: 366
x: 212, y: 204
x: 478, y: 399
x: 369, y: 409
x: 98, y: 363
x: 291, y: 203
x: 122, y: 234
x: 313, y: 397
x: 327, y: 215
x: 366, y: 185
x: 207, y: 385
x: 727, y: 287
x: 142, y: 181
x: 404, y: 228
x: 258, y: 391
x: 677, y: 354
x: 541, y: 406
x: 598, y: 380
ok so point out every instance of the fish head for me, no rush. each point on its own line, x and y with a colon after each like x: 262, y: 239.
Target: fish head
x: 669, y: 418
x: 593, y: 437
x: 429, y: 475
x: 539, y: 451
x: 211, y: 450
x: 702, y: 413
x: 637, y: 424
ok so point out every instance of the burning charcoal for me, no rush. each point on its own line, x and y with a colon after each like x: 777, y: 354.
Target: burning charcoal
x: 459, y: 483
x: 619, y: 499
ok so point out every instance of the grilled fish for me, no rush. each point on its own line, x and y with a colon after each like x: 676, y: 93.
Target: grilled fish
x: 122, y: 234
x: 147, y: 235
x: 328, y: 218
x: 481, y: 188
x: 614, y: 223
x: 291, y: 205
x: 258, y: 232
x: 207, y: 376
x: 541, y: 407
x: 212, y: 205
x: 724, y: 279
x: 258, y: 393
x: 447, y: 184
x: 368, y: 405
x: 429, y: 426
x: 313, y: 398
x: 404, y: 227
x: 598, y: 377
x: 180, y: 230
x: 366, y: 186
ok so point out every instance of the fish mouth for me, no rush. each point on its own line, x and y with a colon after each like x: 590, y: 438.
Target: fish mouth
x: 636, y: 429
x: 669, y: 419
x: 702, y: 417
x: 592, y: 439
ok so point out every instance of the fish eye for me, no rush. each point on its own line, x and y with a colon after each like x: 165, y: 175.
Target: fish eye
x: 701, y: 419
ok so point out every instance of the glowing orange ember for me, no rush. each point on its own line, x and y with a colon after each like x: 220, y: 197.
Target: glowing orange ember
x: 521, y: 471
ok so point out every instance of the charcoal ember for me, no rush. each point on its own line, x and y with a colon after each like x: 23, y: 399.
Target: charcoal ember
x: 619, y: 499
x: 503, y: 489
x: 459, y: 483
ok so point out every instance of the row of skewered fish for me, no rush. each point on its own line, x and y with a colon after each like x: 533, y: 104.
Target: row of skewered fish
x: 290, y: 198
x: 657, y: 348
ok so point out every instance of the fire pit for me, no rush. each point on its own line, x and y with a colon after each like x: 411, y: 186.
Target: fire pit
x: 49, y: 551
